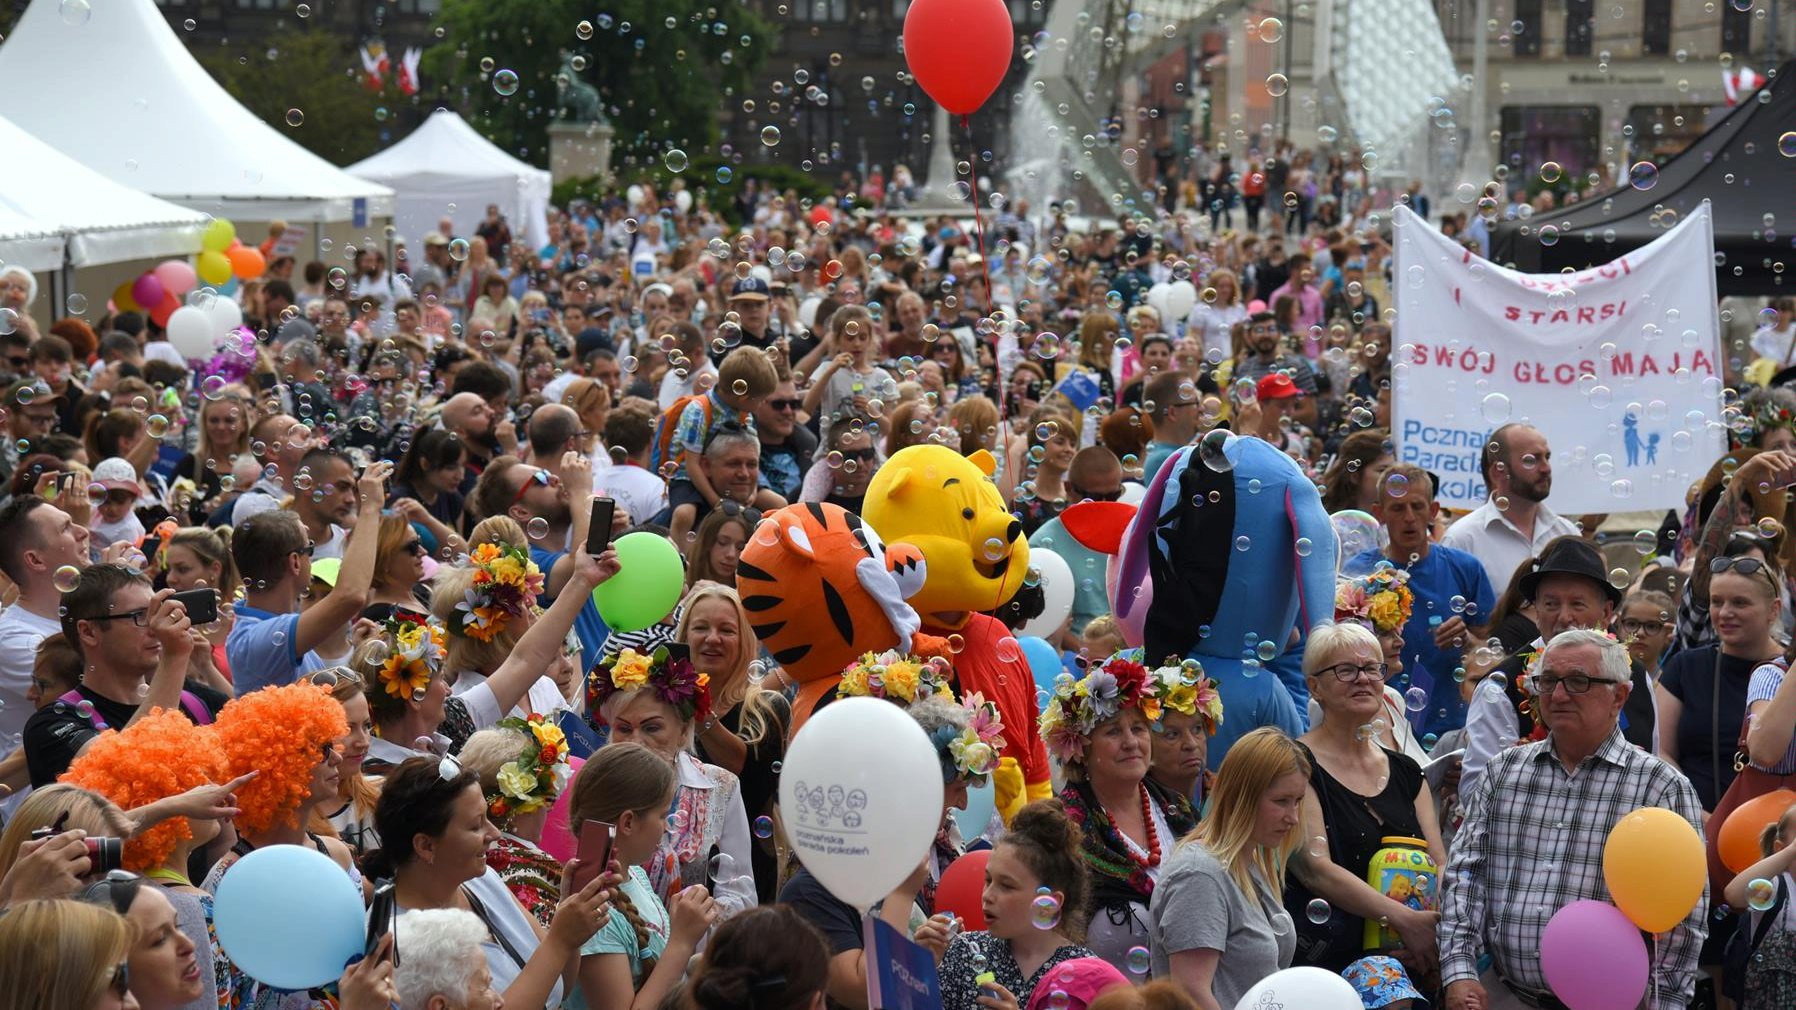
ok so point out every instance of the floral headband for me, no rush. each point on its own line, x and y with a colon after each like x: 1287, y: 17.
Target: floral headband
x: 415, y: 656
x: 1078, y: 707
x: 535, y: 778
x: 894, y: 676
x: 1770, y: 416
x: 1182, y: 687
x: 971, y: 753
x: 1380, y: 598
x: 506, y: 584
x: 667, y: 672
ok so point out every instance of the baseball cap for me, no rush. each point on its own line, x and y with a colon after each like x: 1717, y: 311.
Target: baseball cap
x: 1381, y: 981
x: 116, y: 474
x: 435, y: 238
x: 325, y: 570
x: 1277, y: 386
x: 750, y: 289
x: 1075, y: 983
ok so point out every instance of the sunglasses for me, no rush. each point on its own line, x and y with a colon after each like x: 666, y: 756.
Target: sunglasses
x: 864, y: 455
x: 414, y: 548
x: 1080, y: 494
x: 18, y: 364
x: 331, y: 676
x: 307, y: 550
x: 117, y: 890
x: 749, y: 513
x: 538, y: 477
x: 792, y: 404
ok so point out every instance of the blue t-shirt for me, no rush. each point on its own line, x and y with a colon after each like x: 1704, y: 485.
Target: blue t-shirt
x: 1434, y: 581
x: 587, y: 623
x: 262, y: 650
x: 1157, y: 455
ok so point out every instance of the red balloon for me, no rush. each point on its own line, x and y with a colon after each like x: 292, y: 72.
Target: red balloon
x: 819, y: 215
x: 962, y: 888
x: 159, y: 315
x: 959, y: 50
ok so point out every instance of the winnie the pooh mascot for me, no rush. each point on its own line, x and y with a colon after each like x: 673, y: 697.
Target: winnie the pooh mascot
x: 946, y: 506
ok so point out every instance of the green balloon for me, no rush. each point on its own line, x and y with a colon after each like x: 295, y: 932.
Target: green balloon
x: 647, y: 586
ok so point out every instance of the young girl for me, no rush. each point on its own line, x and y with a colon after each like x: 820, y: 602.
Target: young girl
x: 1035, y: 892
x: 1756, y: 888
x: 848, y: 383
x: 640, y: 953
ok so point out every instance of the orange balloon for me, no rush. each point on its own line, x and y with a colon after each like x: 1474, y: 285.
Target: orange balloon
x: 1655, y: 867
x: 246, y: 262
x: 1738, y: 842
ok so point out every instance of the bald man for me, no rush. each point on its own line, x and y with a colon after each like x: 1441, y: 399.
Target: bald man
x: 554, y: 429
x: 470, y: 418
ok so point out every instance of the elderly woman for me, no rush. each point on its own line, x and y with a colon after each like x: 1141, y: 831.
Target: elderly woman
x: 1380, y: 601
x: 520, y: 780
x: 659, y: 700
x: 1359, y: 795
x: 1099, y: 729
x: 440, y: 812
x: 443, y: 967
x: 1190, y: 714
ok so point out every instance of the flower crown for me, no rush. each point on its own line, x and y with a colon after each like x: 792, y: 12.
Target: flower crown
x: 1180, y: 686
x: 667, y: 672
x: 971, y: 753
x: 894, y: 676
x: 1770, y: 416
x: 1077, y: 707
x: 506, y: 584
x: 415, y: 656
x: 535, y: 778
x: 1381, y: 598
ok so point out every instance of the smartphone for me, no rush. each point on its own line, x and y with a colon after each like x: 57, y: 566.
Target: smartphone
x: 201, y: 604
x: 64, y: 481
x: 598, y: 534
x: 383, y: 912
x: 594, y: 851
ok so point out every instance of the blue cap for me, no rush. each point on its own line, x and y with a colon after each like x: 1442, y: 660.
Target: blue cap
x: 1380, y: 981
x: 751, y: 289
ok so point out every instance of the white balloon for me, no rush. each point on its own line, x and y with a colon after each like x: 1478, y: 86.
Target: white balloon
x: 190, y: 331
x: 683, y: 200
x: 1132, y: 493
x: 1181, y: 297
x: 1057, y: 585
x: 226, y: 316
x: 1156, y: 297
x: 807, y: 312
x: 861, y: 817
x: 1309, y: 988
x: 634, y: 194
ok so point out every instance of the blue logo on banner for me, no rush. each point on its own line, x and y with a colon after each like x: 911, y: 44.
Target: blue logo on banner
x: 1080, y: 388
x: 359, y: 211
x: 1634, y: 442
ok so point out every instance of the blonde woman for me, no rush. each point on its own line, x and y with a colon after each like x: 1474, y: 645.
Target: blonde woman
x: 64, y: 954
x: 1217, y: 920
x: 223, y: 435
x: 1212, y: 321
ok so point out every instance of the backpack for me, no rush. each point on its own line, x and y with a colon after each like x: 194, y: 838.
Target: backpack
x: 669, y: 425
x: 1752, y: 958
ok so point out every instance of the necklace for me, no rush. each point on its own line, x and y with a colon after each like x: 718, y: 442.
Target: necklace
x: 1152, y: 859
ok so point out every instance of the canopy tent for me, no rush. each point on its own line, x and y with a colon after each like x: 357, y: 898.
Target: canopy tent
x: 445, y: 164
x: 56, y: 211
x: 1736, y: 165
x: 145, y: 114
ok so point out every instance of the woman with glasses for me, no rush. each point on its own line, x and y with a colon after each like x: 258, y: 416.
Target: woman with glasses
x: 163, y: 965
x: 398, y: 590
x: 1701, y: 695
x: 1359, y: 794
x: 67, y: 955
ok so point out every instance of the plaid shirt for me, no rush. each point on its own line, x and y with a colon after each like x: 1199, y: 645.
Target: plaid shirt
x: 1532, y: 843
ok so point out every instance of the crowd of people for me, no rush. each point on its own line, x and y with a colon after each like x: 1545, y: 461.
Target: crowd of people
x: 330, y: 589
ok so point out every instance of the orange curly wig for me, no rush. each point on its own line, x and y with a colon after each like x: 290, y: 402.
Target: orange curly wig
x: 278, y: 732
x: 161, y: 755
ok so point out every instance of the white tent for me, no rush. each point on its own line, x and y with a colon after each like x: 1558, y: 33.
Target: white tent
x: 444, y: 164
x: 52, y: 205
x: 117, y: 91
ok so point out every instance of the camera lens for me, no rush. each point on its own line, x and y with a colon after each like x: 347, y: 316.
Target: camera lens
x: 107, y: 854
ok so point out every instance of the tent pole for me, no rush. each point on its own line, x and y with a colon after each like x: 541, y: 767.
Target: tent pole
x: 68, y: 286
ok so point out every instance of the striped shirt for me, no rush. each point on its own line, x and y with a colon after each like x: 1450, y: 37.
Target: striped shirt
x: 1765, y: 682
x: 1532, y: 843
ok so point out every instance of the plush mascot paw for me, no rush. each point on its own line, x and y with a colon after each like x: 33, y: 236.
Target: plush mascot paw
x: 1007, y: 782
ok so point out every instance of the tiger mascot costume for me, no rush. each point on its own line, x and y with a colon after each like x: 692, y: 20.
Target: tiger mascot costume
x: 945, y: 505
x: 821, y: 590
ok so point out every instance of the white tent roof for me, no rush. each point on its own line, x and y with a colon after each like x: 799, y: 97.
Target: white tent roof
x: 144, y: 113
x: 52, y: 202
x: 446, y: 163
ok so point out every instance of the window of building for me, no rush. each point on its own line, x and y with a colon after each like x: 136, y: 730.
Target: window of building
x: 1656, y: 132
x: 820, y: 10
x: 257, y: 5
x: 1580, y: 16
x: 1655, y: 28
x: 1527, y: 41
x: 418, y: 6
x: 1536, y: 134
x: 1736, y: 29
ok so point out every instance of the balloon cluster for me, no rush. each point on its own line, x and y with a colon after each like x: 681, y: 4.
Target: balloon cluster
x: 167, y: 292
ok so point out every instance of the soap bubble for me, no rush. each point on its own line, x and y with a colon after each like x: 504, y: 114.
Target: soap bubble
x: 763, y: 827
x: 66, y: 578
x: 538, y: 528
x: 1318, y: 911
x: 505, y: 82
x: 1044, y: 912
x: 1140, y: 960
x: 1211, y: 449
x: 1415, y: 699
x: 1761, y: 894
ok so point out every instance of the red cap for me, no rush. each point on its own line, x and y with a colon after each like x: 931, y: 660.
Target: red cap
x: 1277, y: 386
x: 1081, y: 979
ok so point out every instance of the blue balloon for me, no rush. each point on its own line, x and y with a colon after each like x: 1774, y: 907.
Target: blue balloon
x: 1044, y: 660
x: 289, y: 917
x: 982, y: 803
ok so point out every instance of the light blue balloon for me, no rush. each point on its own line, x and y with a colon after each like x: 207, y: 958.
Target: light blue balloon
x: 1043, y: 659
x: 982, y: 803
x: 289, y: 917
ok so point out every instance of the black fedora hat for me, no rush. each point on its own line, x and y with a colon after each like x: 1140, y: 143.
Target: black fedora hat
x: 1570, y: 556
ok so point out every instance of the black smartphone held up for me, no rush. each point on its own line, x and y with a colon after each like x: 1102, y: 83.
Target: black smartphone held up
x: 64, y: 481
x: 598, y: 535
x: 383, y: 911
x: 594, y: 851
x: 201, y: 604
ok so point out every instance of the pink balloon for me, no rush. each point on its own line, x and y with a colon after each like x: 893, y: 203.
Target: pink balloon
x: 1593, y: 957
x: 177, y: 277
x: 558, y: 839
x: 148, y: 290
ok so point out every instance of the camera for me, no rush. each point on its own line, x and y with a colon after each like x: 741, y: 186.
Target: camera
x: 106, y: 854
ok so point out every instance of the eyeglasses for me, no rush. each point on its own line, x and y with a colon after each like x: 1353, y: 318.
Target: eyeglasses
x: 538, y: 477
x: 1574, y: 683
x: 1347, y: 673
x: 1629, y: 626
x: 117, y: 890
x: 20, y: 363
x: 792, y: 404
x: 120, y: 983
x: 141, y: 618
x: 414, y: 548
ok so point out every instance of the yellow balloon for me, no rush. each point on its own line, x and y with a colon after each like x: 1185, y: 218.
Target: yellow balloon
x: 1655, y: 867
x: 213, y: 267
x: 218, y: 236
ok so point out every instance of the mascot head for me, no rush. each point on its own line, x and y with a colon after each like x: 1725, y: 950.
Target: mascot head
x: 821, y: 590
x: 946, y: 505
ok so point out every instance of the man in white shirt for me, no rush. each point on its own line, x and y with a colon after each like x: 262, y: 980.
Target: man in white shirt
x: 36, y: 540
x: 324, y: 499
x: 283, y: 443
x: 1514, y: 523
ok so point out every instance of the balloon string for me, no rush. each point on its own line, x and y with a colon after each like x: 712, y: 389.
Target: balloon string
x: 985, y: 266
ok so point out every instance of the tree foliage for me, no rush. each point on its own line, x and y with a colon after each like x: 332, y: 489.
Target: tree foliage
x: 318, y: 75
x: 661, y: 87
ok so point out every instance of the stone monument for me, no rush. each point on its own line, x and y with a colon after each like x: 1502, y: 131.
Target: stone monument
x: 579, y: 136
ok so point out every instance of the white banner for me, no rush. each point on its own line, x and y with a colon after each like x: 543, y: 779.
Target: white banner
x: 1619, y: 366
